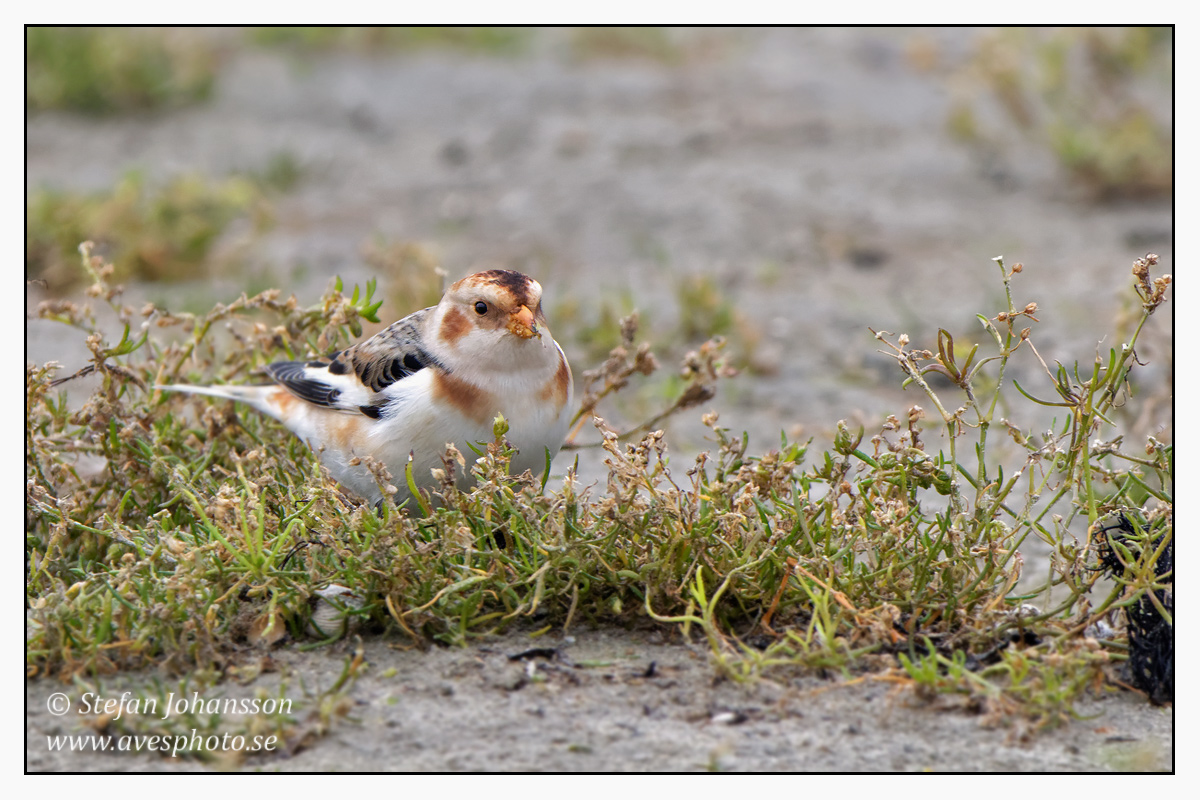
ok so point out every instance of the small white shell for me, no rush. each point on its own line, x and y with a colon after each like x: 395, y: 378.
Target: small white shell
x: 333, y: 611
x: 1025, y: 610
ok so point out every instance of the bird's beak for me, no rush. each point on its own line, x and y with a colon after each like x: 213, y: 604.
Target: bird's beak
x: 521, y: 323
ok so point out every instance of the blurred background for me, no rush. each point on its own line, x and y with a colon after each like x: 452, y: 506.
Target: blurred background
x: 783, y: 188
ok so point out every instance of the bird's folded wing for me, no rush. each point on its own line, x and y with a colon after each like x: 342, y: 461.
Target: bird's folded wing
x: 353, y: 379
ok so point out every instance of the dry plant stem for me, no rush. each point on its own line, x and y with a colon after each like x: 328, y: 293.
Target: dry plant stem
x: 1006, y: 351
x: 702, y: 368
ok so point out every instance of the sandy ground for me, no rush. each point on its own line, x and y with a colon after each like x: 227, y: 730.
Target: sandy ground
x: 809, y: 174
x: 613, y: 700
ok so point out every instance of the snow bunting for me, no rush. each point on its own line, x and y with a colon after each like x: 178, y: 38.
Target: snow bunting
x: 438, y: 376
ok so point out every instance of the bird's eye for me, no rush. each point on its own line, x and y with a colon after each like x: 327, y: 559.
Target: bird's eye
x: 481, y: 308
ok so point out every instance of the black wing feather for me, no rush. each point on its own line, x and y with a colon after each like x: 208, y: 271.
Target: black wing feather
x: 291, y: 375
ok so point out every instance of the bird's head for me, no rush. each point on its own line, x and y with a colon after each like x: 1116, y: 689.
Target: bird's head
x: 492, y: 317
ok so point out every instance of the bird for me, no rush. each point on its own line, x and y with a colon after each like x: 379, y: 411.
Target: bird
x: 438, y: 376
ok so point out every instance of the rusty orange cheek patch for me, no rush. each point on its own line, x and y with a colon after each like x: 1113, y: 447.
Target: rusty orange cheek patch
x: 473, y: 402
x: 454, y: 326
x: 557, y: 388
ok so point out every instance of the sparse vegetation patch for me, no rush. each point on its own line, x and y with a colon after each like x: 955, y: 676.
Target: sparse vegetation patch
x: 179, y: 531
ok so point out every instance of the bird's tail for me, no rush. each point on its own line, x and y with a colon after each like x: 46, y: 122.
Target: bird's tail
x: 257, y: 396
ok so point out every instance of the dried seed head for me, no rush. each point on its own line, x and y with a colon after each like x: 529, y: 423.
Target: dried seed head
x: 452, y: 452
x: 629, y: 328
x: 1018, y: 267
x: 1030, y: 309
